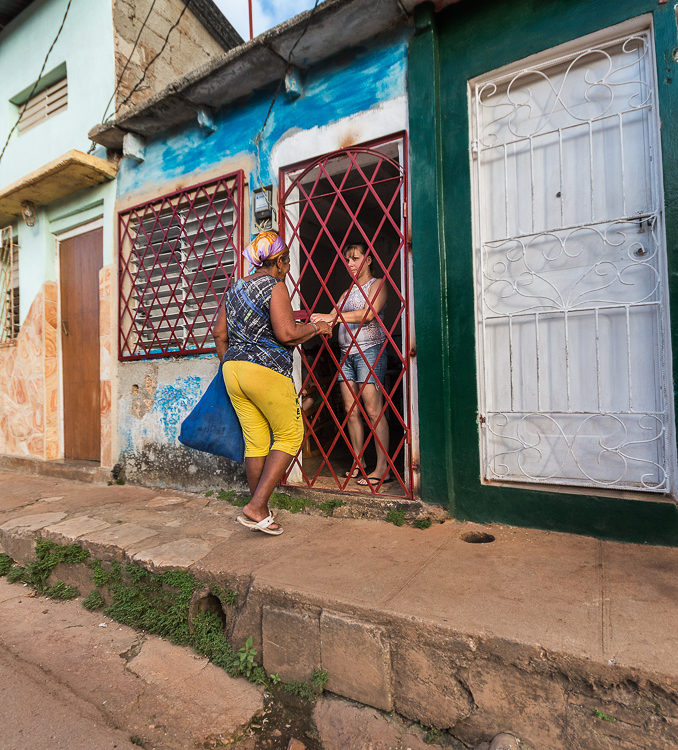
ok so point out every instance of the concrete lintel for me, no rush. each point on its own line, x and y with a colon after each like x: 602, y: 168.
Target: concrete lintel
x: 206, y: 120
x: 134, y: 147
x: 293, y: 85
x: 58, y: 178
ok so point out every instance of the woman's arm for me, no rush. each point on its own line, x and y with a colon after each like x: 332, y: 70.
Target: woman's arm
x: 220, y: 333
x: 285, y: 327
x: 377, y: 297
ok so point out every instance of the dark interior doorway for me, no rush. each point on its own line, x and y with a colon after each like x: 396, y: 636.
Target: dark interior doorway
x: 355, y: 195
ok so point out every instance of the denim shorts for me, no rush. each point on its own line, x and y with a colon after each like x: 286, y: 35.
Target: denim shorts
x: 355, y: 368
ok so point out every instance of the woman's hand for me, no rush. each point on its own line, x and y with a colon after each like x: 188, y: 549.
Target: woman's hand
x: 323, y: 318
x: 324, y: 327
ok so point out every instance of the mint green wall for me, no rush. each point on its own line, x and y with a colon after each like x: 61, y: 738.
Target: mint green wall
x: 86, y: 46
x: 464, y: 41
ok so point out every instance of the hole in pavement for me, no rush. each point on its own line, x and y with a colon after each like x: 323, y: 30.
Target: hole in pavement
x: 211, y: 603
x: 477, y: 537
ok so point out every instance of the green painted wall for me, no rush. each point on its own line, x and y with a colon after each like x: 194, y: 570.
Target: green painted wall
x: 85, y: 49
x: 449, y: 48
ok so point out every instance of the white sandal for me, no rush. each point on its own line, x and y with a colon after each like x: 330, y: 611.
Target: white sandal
x: 263, y: 525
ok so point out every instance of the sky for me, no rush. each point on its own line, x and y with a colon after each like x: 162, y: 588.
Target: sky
x: 266, y: 13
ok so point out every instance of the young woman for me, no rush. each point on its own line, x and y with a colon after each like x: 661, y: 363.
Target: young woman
x: 255, y: 334
x: 361, y: 337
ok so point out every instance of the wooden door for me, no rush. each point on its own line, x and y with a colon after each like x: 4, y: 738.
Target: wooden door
x: 80, y: 261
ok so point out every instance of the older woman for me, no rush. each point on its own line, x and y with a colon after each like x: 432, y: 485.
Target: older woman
x: 255, y: 334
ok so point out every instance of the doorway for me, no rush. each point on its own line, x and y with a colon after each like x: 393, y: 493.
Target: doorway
x: 80, y: 259
x: 356, y: 195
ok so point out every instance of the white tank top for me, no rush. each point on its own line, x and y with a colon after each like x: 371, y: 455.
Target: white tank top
x: 369, y: 333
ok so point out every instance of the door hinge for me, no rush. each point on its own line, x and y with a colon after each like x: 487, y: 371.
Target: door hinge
x: 481, y: 419
x: 475, y: 147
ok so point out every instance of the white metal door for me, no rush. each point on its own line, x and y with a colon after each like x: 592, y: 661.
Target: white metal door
x: 570, y: 270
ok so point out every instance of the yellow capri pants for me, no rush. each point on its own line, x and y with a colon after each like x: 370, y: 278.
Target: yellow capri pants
x: 265, y: 401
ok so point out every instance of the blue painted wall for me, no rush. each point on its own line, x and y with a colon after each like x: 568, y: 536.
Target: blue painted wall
x: 353, y: 83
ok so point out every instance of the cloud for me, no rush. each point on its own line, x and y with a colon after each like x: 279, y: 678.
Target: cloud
x: 265, y: 13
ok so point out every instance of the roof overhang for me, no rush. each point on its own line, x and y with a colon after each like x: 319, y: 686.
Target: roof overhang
x: 334, y: 26
x: 60, y: 178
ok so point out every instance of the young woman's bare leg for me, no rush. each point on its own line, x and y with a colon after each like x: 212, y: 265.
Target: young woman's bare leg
x: 356, y: 430
x: 374, y: 402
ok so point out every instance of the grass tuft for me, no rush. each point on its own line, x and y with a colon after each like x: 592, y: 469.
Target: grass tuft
x: 6, y: 564
x: 93, y: 601
x: 288, y: 502
x: 396, y: 517
x: 329, y: 505
x: 422, y: 523
x: 61, y: 590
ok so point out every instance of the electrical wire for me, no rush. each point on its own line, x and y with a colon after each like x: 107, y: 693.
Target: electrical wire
x: 259, y: 135
x: 157, y: 55
x: 127, y: 62
x: 37, y: 80
x: 122, y: 73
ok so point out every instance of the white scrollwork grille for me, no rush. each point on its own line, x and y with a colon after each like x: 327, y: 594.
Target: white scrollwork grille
x: 570, y: 271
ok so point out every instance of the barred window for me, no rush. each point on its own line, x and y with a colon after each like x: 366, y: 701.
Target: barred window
x: 9, y: 286
x: 178, y: 255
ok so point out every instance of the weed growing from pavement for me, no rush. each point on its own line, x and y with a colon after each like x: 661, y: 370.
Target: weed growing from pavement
x: 225, y: 596
x: 93, y: 601
x: 62, y: 590
x: 155, y: 603
x: 422, y: 523
x: 396, y: 517
x: 292, y: 503
x: 328, y: 506
x: 246, y: 663
x: 432, y: 735
x: 319, y: 679
x: 281, y: 501
x: 601, y: 715
x: 47, y: 556
x: 6, y: 563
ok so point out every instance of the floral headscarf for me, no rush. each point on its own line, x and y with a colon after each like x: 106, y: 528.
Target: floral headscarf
x: 263, y: 247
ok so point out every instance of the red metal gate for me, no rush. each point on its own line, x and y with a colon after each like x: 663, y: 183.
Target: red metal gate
x: 354, y: 195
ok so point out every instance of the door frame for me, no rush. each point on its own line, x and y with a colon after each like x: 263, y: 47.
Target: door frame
x: 553, y: 55
x: 410, y: 407
x: 61, y: 237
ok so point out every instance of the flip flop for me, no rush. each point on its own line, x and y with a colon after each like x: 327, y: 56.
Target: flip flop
x: 263, y: 525
x: 372, y: 481
x: 353, y: 474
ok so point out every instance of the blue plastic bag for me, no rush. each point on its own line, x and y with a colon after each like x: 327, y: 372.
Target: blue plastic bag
x: 213, y: 425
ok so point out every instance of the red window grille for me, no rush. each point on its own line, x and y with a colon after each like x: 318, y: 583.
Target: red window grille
x: 357, y: 194
x: 178, y: 255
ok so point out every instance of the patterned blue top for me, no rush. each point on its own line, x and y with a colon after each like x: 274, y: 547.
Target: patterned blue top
x: 250, y: 333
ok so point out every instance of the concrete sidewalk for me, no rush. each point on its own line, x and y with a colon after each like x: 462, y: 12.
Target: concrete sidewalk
x: 566, y: 641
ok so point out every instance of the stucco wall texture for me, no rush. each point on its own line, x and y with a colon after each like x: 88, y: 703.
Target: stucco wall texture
x: 154, y: 398
x: 188, y: 46
x: 29, y: 383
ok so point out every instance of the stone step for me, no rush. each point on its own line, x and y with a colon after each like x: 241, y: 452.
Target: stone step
x: 81, y: 471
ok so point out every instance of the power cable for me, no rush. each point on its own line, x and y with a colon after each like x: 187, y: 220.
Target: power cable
x: 157, y: 54
x: 259, y: 135
x: 37, y: 80
x: 122, y: 73
x: 127, y: 62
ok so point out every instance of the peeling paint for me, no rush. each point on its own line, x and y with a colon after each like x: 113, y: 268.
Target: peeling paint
x: 349, y: 84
